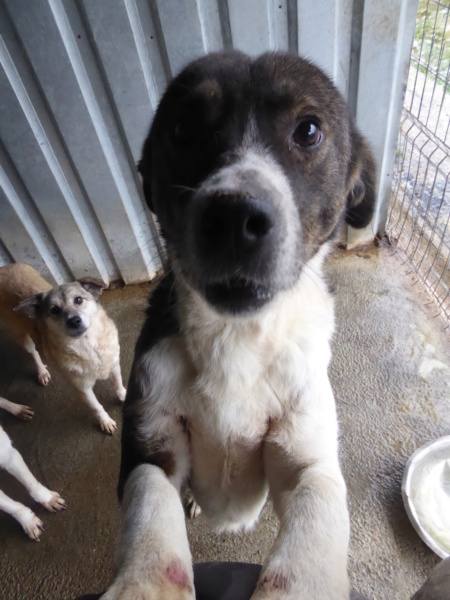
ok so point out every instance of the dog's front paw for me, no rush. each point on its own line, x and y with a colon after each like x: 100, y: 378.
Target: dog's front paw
x: 31, y: 524
x: 121, y: 393
x: 107, y: 425
x: 282, y: 584
x: 56, y: 503
x: 174, y: 582
x: 44, y: 376
x: 52, y: 501
x: 140, y: 591
x: 190, y: 505
x: 22, y: 412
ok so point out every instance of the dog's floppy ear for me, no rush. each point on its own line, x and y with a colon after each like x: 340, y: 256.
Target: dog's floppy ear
x: 361, y: 183
x: 94, y: 286
x: 32, y: 307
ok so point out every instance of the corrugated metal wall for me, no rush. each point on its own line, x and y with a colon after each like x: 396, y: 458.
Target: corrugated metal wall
x: 80, y: 81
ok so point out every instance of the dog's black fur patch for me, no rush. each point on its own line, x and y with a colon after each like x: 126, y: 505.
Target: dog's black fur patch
x: 161, y: 322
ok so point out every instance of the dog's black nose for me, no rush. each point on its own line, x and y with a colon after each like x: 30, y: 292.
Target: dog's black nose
x: 240, y: 223
x: 74, y: 322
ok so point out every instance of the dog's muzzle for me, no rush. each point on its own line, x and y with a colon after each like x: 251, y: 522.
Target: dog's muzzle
x: 75, y: 326
x: 235, y: 239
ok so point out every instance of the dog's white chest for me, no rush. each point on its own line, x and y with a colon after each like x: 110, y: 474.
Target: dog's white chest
x: 228, y: 382
x: 88, y: 357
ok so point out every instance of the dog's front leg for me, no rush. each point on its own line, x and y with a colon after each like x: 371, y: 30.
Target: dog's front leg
x: 12, y: 461
x: 18, y: 410
x: 43, y: 373
x: 116, y: 379
x: 107, y: 424
x: 309, y: 558
x: 154, y: 560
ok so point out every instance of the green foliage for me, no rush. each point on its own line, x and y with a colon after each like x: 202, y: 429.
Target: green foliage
x: 431, y: 48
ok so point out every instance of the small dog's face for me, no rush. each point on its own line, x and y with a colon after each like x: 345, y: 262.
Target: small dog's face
x: 251, y: 165
x: 68, y: 309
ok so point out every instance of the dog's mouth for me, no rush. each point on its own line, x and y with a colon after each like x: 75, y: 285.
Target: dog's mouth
x: 237, y: 295
x: 75, y: 333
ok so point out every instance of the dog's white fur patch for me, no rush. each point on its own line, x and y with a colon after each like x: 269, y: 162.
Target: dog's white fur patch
x: 255, y: 163
x: 12, y: 461
x: 272, y: 357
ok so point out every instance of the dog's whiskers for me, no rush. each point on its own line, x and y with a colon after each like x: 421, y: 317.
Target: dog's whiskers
x: 183, y: 188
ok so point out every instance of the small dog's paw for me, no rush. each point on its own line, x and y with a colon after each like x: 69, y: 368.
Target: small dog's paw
x: 32, y: 525
x: 195, y: 510
x: 22, y: 412
x: 107, y: 425
x: 56, y: 503
x: 121, y: 393
x: 190, y: 505
x: 44, y: 376
x: 26, y: 413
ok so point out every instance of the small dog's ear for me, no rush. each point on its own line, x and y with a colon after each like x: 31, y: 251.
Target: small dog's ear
x: 361, y: 183
x: 93, y: 286
x: 32, y: 307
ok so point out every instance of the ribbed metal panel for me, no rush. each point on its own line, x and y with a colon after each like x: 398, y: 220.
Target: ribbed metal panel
x: 80, y: 81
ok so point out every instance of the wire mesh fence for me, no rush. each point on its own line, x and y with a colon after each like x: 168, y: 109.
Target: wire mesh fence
x: 419, y: 213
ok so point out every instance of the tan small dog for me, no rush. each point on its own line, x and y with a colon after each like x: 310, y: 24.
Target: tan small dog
x: 18, y: 282
x: 70, y: 328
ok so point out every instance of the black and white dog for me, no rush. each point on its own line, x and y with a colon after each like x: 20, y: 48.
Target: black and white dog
x: 251, y: 166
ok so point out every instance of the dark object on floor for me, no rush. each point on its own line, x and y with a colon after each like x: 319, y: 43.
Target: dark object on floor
x: 437, y: 586
x: 225, y: 581
x: 354, y: 595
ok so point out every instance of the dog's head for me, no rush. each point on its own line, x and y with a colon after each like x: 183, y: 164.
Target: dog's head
x: 68, y: 309
x: 251, y: 165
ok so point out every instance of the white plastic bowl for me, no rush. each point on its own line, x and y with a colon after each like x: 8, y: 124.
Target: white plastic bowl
x: 413, y: 478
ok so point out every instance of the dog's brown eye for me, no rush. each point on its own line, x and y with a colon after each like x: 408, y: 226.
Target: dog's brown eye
x: 55, y: 310
x: 307, y: 134
x: 78, y: 300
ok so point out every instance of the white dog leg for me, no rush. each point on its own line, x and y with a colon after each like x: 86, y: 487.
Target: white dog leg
x: 309, y: 556
x: 12, y: 461
x: 18, y: 410
x: 43, y: 373
x: 107, y: 424
x: 154, y: 557
x: 31, y: 524
x: 116, y: 378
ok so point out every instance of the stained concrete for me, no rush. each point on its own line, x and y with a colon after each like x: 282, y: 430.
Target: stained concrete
x: 391, y: 376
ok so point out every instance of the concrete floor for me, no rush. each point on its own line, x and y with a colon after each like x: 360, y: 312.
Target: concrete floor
x: 391, y: 376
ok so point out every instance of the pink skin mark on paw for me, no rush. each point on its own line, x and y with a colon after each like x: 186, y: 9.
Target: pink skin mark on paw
x: 176, y: 574
x: 278, y: 581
